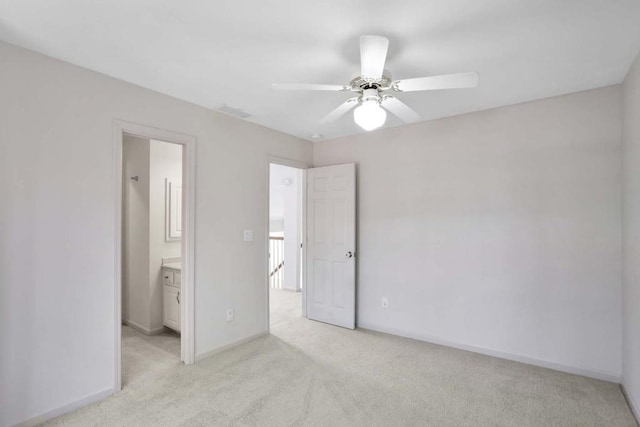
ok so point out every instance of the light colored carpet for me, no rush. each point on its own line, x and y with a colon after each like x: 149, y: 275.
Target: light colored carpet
x: 311, y: 374
x: 145, y: 357
x: 284, y: 306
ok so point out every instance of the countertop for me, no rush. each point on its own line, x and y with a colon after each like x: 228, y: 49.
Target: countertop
x: 176, y: 266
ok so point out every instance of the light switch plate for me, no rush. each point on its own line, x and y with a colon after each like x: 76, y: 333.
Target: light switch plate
x: 248, y: 235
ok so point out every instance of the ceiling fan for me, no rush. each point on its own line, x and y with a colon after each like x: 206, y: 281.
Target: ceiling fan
x: 374, y: 82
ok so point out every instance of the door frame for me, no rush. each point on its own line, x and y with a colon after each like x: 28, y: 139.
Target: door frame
x: 282, y: 161
x: 187, y: 341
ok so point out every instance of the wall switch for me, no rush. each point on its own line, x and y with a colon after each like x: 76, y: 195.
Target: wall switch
x: 385, y: 302
x: 230, y: 315
x: 248, y: 235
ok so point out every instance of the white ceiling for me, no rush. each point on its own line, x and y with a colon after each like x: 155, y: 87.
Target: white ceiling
x: 216, y: 53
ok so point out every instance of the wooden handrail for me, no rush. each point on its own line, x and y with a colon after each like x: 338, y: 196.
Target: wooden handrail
x: 276, y: 238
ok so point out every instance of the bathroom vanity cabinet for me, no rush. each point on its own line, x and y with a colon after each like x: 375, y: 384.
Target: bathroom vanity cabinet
x: 171, y: 287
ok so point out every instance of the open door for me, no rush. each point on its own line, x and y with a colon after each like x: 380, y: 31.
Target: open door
x: 331, y: 245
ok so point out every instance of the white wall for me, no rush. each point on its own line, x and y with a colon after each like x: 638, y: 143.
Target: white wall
x: 276, y: 226
x: 285, y: 218
x: 292, y: 231
x: 165, y: 161
x: 631, y: 237
x: 497, y: 231
x: 135, y: 232
x: 276, y: 191
x: 57, y: 215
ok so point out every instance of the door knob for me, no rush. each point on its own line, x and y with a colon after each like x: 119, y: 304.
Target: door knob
x: 349, y: 254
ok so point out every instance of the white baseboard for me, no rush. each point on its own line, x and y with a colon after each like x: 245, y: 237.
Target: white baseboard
x: 229, y: 346
x: 586, y: 372
x: 46, y: 416
x: 138, y: 327
x: 632, y: 403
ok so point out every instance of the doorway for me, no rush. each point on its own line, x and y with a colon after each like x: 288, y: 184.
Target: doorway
x: 151, y: 256
x: 286, y: 243
x: 154, y: 172
x: 324, y: 207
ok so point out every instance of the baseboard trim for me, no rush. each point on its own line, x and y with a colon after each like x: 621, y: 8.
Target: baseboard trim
x: 585, y: 372
x: 215, y: 351
x: 49, y: 415
x: 138, y: 327
x: 631, y: 402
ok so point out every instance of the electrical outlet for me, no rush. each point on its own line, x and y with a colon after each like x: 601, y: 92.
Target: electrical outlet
x: 247, y: 235
x: 230, y: 315
x: 385, y: 302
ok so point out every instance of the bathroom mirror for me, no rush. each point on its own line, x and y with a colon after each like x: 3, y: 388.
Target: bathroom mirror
x: 173, y: 211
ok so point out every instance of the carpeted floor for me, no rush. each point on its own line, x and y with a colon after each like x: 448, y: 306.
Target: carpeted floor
x: 284, y: 306
x: 312, y: 374
x: 145, y: 357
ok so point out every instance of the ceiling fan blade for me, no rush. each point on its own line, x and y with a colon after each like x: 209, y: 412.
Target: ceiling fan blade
x: 309, y: 86
x: 373, y: 54
x: 447, y: 81
x: 400, y: 109
x: 340, y: 111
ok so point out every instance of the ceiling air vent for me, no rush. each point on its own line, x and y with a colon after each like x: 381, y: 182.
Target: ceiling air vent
x: 236, y: 112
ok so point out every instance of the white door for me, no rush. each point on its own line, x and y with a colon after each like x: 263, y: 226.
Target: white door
x: 331, y: 245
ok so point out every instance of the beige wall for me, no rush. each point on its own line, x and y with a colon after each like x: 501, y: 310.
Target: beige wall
x: 631, y: 239
x: 58, y: 215
x: 496, y: 231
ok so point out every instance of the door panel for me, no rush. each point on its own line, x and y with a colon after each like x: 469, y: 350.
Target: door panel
x: 331, y: 239
x: 171, y: 314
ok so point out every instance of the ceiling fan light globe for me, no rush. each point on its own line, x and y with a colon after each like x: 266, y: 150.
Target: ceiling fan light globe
x: 369, y: 115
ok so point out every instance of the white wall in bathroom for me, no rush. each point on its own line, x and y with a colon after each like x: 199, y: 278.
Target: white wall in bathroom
x: 144, y: 242
x: 165, y: 162
x: 135, y: 232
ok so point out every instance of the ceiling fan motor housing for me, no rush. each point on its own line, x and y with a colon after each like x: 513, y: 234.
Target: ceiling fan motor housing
x: 360, y: 83
x: 370, y: 95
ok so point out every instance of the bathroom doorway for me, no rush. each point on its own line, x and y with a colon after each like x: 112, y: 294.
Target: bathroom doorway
x: 154, y: 253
